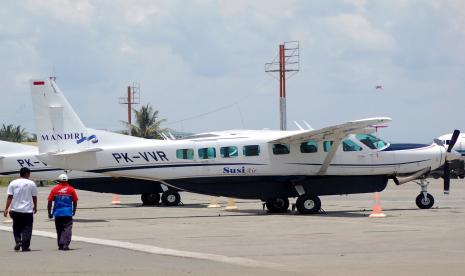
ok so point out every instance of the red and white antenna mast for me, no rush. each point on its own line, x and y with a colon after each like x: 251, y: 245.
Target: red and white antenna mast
x: 288, y: 60
x: 132, y: 98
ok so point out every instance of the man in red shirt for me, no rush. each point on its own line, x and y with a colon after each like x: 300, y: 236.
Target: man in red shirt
x: 64, y: 199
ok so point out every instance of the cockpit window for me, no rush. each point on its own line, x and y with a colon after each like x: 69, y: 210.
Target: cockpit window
x: 371, y: 141
x: 349, y: 145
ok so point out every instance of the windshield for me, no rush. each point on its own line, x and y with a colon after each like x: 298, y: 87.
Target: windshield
x: 371, y: 141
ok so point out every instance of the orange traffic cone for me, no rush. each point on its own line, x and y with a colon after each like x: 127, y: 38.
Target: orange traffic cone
x: 214, y: 203
x: 115, y: 199
x: 231, y: 205
x: 377, y: 210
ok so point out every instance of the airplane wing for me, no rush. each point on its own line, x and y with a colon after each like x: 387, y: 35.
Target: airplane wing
x: 336, y: 133
x: 332, y: 132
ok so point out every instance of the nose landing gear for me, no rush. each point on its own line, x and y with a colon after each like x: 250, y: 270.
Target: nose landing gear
x: 424, y: 200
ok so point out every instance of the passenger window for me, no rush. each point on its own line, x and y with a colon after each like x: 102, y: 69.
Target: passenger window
x: 328, y: 145
x: 281, y: 149
x: 309, y: 147
x: 349, y: 145
x: 251, y: 150
x: 207, y: 153
x: 227, y: 152
x: 185, y: 154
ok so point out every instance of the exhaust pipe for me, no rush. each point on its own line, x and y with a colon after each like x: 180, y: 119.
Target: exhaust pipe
x: 402, y: 180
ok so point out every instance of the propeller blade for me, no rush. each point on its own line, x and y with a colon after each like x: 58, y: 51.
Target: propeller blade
x: 453, y: 140
x: 446, y: 178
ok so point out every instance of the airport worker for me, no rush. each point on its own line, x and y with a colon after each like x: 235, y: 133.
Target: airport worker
x: 64, y: 199
x: 22, y: 197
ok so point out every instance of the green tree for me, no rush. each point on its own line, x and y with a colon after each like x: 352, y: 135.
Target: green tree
x: 147, y: 124
x: 13, y: 133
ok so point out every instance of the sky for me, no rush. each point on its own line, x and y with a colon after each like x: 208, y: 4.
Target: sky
x: 207, y: 57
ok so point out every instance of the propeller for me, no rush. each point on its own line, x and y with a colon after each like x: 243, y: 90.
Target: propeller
x: 452, y: 142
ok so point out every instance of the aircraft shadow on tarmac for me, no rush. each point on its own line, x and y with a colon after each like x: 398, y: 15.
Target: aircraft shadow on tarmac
x: 358, y: 213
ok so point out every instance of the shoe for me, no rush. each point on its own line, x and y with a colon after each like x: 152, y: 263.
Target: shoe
x: 60, y: 247
x: 66, y: 248
x: 26, y: 249
x: 17, y: 246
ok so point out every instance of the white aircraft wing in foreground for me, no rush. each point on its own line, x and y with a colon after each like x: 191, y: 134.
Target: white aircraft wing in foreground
x: 14, y: 156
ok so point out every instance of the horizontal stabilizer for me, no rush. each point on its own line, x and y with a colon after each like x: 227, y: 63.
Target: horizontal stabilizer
x: 71, y: 152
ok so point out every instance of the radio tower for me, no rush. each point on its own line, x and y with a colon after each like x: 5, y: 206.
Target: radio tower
x: 287, y: 60
x: 132, y: 98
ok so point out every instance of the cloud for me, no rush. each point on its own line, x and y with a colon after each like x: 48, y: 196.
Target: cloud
x: 192, y: 57
x: 69, y: 11
x: 361, y: 32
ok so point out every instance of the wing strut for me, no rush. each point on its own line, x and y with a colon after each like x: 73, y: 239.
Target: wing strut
x: 329, y: 157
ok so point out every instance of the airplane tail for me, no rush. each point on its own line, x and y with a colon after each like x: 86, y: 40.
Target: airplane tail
x: 58, y: 126
x: 59, y: 129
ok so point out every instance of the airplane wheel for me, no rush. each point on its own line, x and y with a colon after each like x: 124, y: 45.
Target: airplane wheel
x: 150, y: 199
x: 277, y: 205
x: 170, y: 198
x: 425, y: 203
x: 308, y: 204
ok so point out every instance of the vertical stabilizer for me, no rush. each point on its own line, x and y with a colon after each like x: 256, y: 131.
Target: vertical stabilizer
x: 58, y: 126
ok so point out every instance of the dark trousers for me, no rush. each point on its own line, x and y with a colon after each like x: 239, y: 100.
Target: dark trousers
x: 22, y: 228
x: 64, y: 227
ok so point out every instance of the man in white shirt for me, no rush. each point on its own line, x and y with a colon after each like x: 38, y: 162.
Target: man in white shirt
x: 22, y: 196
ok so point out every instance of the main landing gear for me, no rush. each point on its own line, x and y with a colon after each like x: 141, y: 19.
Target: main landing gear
x: 277, y: 205
x: 424, y: 200
x: 168, y: 198
x: 306, y: 204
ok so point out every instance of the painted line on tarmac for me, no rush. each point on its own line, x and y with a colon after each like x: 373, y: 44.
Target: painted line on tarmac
x: 160, y: 250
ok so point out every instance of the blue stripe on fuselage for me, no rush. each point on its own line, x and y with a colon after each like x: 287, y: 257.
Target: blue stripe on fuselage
x: 402, y: 146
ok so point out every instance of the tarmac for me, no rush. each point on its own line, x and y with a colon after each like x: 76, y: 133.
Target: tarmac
x: 192, y: 239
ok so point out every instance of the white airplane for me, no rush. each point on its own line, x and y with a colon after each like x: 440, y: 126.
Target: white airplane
x: 14, y: 156
x: 459, y: 146
x: 457, y: 167
x: 250, y: 164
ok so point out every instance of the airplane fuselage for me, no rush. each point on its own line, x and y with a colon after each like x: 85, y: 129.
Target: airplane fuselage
x: 243, y: 164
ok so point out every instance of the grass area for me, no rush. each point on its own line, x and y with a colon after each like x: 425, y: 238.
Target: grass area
x: 4, y: 181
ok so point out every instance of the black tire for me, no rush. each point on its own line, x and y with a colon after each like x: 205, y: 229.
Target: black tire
x: 461, y: 176
x: 435, y: 175
x: 424, y: 203
x: 150, y: 199
x: 170, y: 198
x: 308, y: 204
x: 277, y: 205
